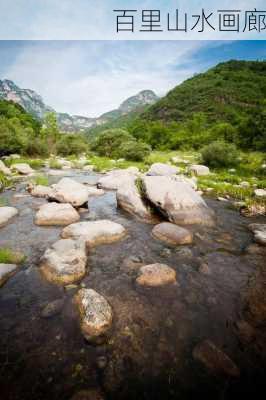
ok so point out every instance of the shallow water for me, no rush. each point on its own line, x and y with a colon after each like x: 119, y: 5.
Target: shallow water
x: 149, y: 354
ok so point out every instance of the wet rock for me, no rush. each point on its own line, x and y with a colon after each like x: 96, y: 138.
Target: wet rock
x: 260, y: 192
x: 245, y: 332
x: 129, y: 199
x: 6, y: 271
x: 204, y: 269
x: 131, y: 264
x: 56, y: 214
x: 162, y: 170
x: 215, y: 360
x: 53, y: 308
x: 6, y: 214
x: 178, y: 201
x: 40, y: 191
x: 259, y: 231
x: 91, y: 394
x: 23, y: 169
x: 199, y: 170
x: 155, y: 275
x: 172, y: 234
x: 185, y: 252
x: 95, y: 232
x: 96, y: 315
x: 5, y: 170
x: 115, y: 179
x: 69, y: 191
x: 65, y: 262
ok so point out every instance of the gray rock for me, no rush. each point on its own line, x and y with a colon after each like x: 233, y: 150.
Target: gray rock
x: 259, y: 231
x: 69, y: 191
x: 6, y: 214
x: 162, y: 170
x: 56, y: 214
x: 6, y: 271
x: 199, y: 170
x: 172, y: 234
x: 23, y: 168
x: 155, y: 275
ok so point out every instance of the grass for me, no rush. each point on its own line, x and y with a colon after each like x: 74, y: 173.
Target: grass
x: 54, y: 164
x: 4, y: 181
x: 35, y: 163
x: 3, y: 203
x: 41, y: 180
x: 8, y: 256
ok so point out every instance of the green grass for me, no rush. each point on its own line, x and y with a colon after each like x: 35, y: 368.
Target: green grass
x: 41, y: 180
x: 54, y: 164
x: 105, y: 164
x: 8, y: 256
x: 35, y: 163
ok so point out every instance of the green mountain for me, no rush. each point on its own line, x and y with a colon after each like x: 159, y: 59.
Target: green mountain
x: 225, y: 93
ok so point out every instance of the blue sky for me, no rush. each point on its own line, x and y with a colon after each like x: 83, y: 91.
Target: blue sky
x: 92, y: 77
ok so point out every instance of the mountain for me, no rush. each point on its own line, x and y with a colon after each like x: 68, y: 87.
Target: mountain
x: 225, y: 93
x: 34, y: 104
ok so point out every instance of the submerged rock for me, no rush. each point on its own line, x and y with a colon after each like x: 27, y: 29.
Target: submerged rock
x: 53, y: 308
x: 6, y: 271
x: 56, y: 214
x: 155, y: 275
x: 215, y: 360
x: 162, y: 170
x: 199, y: 170
x: 259, y: 231
x: 96, y: 315
x: 95, y: 232
x: 65, y: 262
x: 5, y: 170
x: 6, y: 214
x: 177, y: 201
x: 129, y: 199
x: 23, y: 168
x: 69, y: 191
x: 172, y: 234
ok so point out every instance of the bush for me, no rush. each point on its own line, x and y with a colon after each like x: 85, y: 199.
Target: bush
x: 108, y: 143
x: 70, y: 144
x: 135, y: 151
x: 220, y: 154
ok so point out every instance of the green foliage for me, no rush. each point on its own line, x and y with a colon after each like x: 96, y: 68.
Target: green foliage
x: 72, y: 144
x: 7, y: 256
x: 41, y: 180
x: 220, y: 154
x: 108, y: 143
x: 54, y: 164
x: 35, y: 163
x: 135, y: 151
x: 50, y: 133
x: 3, y: 181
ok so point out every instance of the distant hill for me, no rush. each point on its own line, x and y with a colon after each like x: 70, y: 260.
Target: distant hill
x: 34, y: 104
x: 224, y: 93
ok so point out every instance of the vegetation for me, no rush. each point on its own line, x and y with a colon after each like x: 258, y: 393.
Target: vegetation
x: 41, y: 180
x: 220, y: 154
x: 8, y: 256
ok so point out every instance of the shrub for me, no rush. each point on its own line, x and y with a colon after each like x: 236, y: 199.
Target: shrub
x: 220, y: 154
x: 135, y: 151
x: 54, y: 164
x: 72, y: 144
x: 108, y: 143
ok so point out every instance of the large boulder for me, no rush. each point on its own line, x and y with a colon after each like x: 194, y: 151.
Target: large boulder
x: 155, y: 275
x: 6, y: 214
x: 172, y: 234
x: 65, y: 262
x: 95, y: 232
x: 40, y: 191
x: 96, y: 315
x: 23, y: 168
x: 115, y: 179
x: 162, y: 169
x: 190, y: 181
x: 259, y: 231
x: 199, y: 170
x: 215, y: 360
x: 4, y: 169
x: 56, y: 214
x: 129, y: 199
x: 69, y: 191
x: 177, y: 201
x: 6, y: 271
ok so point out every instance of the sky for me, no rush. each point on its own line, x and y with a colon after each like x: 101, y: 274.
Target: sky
x: 92, y: 77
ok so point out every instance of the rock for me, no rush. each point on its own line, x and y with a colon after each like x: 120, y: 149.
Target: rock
x: 23, y: 168
x: 259, y: 231
x: 244, y: 184
x: 177, y: 201
x: 199, y: 170
x: 172, y: 234
x: 40, y: 191
x: 215, y: 360
x: 56, y: 172
x: 190, y: 181
x: 56, y: 214
x: 222, y: 199
x: 92, y: 191
x: 95, y: 232
x: 129, y: 199
x: 260, y: 192
x: 53, y: 308
x: 96, y: 315
x: 131, y: 264
x: 204, y: 269
x: 65, y: 262
x: 245, y: 332
x: 117, y: 178
x: 69, y: 191
x: 14, y: 156
x: 91, y: 394
x: 88, y: 168
x: 176, y: 160
x: 4, y: 169
x: 6, y: 214
x: 155, y: 275
x: 6, y: 271
x: 162, y: 170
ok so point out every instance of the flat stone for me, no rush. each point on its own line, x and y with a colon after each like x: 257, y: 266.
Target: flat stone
x: 65, y: 262
x: 96, y: 315
x: 162, y: 170
x: 56, y: 214
x: 23, y: 168
x: 155, y: 275
x: 95, y: 232
x: 172, y: 234
x: 6, y: 271
x: 215, y: 360
x: 6, y: 214
x: 40, y: 191
x: 115, y: 179
x: 69, y: 191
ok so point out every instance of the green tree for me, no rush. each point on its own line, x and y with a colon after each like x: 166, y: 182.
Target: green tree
x: 50, y: 132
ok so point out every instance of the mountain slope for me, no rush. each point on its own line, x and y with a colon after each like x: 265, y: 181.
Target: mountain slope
x: 224, y: 93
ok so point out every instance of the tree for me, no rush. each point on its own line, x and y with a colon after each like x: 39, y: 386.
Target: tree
x: 50, y: 132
